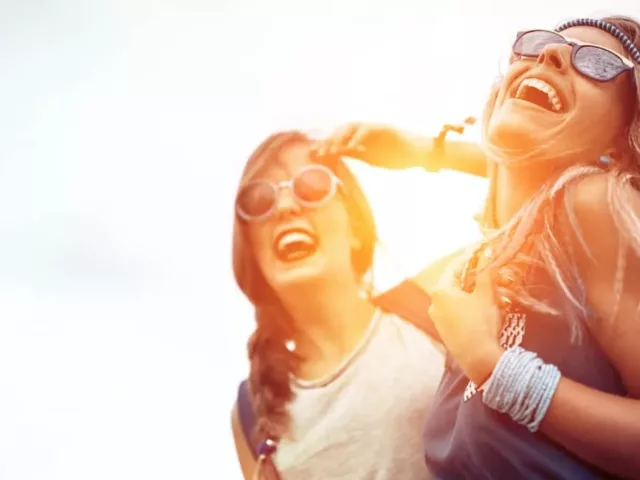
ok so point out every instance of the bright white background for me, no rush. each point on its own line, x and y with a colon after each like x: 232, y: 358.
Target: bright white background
x: 123, y: 129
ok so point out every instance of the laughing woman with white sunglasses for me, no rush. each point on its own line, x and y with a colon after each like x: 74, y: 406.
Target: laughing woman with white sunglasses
x: 338, y: 388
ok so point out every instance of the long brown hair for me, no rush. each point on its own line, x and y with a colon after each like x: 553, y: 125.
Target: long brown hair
x: 271, y: 362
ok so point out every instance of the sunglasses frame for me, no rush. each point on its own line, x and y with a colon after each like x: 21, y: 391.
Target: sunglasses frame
x: 576, y: 46
x: 288, y: 184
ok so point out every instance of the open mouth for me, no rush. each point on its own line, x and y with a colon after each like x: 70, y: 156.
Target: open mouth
x: 295, y: 244
x: 540, y: 93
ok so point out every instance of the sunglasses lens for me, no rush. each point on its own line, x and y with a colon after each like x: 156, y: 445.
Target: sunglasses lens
x: 597, y: 63
x: 256, y: 199
x: 531, y: 44
x: 313, y: 185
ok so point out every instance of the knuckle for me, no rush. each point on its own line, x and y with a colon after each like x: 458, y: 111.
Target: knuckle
x: 438, y: 296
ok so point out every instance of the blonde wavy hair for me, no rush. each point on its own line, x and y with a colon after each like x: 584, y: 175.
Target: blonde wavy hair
x: 539, y: 233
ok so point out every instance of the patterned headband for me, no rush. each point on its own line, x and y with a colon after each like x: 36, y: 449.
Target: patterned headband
x: 607, y: 27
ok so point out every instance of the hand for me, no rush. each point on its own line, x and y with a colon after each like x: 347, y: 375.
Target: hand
x: 468, y: 323
x: 377, y: 145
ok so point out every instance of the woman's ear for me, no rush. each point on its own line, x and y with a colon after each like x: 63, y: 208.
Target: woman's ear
x: 356, y: 243
x: 355, y: 240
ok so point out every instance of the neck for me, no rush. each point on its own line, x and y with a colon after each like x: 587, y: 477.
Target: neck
x: 514, y: 187
x: 330, y: 320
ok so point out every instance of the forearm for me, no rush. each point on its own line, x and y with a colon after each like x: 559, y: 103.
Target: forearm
x: 465, y: 157
x: 602, y: 429
x: 459, y: 156
x: 393, y: 149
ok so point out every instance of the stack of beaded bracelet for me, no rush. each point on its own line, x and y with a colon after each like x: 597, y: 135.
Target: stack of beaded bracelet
x: 522, y: 386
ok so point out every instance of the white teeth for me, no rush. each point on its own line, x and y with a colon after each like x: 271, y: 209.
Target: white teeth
x: 295, y: 237
x: 554, y: 98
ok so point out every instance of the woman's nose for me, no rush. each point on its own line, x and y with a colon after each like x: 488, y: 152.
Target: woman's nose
x: 287, y: 204
x: 557, y: 56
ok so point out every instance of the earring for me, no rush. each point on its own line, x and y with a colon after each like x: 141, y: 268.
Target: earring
x: 364, y: 293
x: 365, y: 290
x: 604, y: 161
x: 290, y: 345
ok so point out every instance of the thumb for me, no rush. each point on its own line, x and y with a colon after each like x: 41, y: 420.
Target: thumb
x: 453, y: 266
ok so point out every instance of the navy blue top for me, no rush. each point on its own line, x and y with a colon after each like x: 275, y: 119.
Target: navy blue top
x: 467, y: 440
x: 247, y: 415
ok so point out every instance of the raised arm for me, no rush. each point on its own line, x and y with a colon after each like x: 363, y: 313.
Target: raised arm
x: 465, y: 157
x: 387, y: 147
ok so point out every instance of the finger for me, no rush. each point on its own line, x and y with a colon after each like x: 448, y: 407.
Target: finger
x: 502, y: 298
x: 357, y: 140
x: 444, y: 294
x: 443, y: 297
x: 443, y: 304
x: 435, y: 312
x: 451, y: 273
x: 324, y: 146
x: 485, y: 284
x: 317, y: 147
x: 340, y: 139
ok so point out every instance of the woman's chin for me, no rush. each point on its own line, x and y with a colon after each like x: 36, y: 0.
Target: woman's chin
x: 303, y: 273
x: 521, y: 127
x: 512, y: 137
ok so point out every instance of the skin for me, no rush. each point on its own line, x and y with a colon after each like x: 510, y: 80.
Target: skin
x: 384, y: 146
x: 319, y: 292
x: 602, y: 429
x: 330, y: 223
x: 593, y: 110
x: 304, y: 286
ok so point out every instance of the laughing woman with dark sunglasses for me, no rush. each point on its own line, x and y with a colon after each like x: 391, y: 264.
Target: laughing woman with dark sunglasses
x: 542, y: 321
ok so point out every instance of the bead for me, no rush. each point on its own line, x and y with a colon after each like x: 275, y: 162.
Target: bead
x: 268, y: 447
x: 522, y: 386
x: 504, y: 301
x: 506, y: 278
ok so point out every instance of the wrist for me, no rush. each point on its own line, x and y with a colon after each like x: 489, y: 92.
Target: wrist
x: 433, y: 153
x: 522, y: 386
x: 482, y: 363
x: 420, y: 152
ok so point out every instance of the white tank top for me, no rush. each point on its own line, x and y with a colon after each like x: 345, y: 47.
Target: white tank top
x: 364, y: 420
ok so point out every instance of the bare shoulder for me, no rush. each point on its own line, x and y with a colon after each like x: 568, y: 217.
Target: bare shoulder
x: 598, y: 234
x: 609, y: 265
x: 243, y: 450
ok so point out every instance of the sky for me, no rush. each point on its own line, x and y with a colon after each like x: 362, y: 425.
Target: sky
x: 125, y: 125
